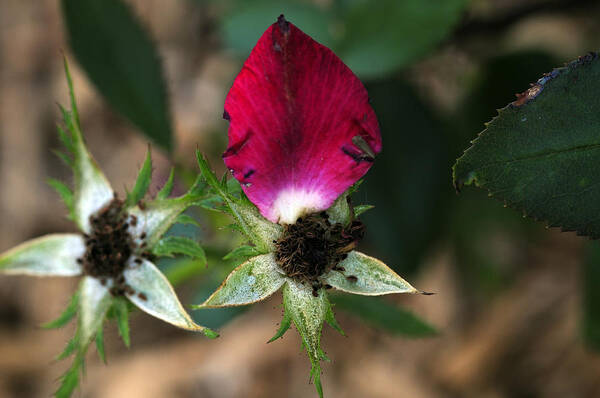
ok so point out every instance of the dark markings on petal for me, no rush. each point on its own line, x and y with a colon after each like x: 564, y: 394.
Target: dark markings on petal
x: 361, y: 144
x: 357, y: 155
x: 248, y: 174
x: 235, y: 148
x: 226, y: 116
x: 284, y: 26
x: 276, y: 47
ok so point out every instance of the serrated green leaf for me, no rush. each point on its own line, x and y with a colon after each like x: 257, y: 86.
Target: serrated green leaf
x: 121, y: 309
x: 66, y: 316
x: 70, y: 380
x: 171, y: 245
x: 166, y: 190
x: 64, y: 158
x: 122, y: 61
x: 308, y: 314
x: 383, y: 315
x: 185, y: 219
x: 285, y: 324
x: 366, y: 276
x: 50, y: 255
x: 540, y: 154
x: 331, y: 321
x: 155, y: 296
x: 65, y: 138
x: 142, y: 182
x: 65, y: 194
x: 241, y: 252
x: 69, y: 349
x: 254, y: 280
x: 100, y: 343
x: 360, y: 209
x: 382, y: 36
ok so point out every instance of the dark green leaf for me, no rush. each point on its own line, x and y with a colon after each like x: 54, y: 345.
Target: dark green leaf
x: 142, y: 182
x: 383, y: 315
x: 417, y: 200
x: 248, y: 20
x: 540, y: 154
x: 121, y: 60
x: 66, y: 315
x: 385, y: 35
x: 172, y: 245
x: 591, y: 296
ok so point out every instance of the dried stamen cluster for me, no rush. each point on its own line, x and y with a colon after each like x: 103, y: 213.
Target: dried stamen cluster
x: 108, y: 247
x: 313, y: 246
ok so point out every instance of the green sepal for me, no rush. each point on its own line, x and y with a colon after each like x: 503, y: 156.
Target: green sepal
x: 94, y: 302
x: 360, y: 209
x: 65, y: 194
x: 308, y: 314
x: 185, y: 219
x: 367, y: 276
x: 171, y: 245
x: 252, y: 281
x: 285, y: 324
x: 243, y: 252
x: 48, y: 255
x: 91, y: 188
x: 340, y: 212
x: 156, y: 296
x: 258, y: 230
x: 66, y: 316
x: 142, y: 183
x: 166, y: 190
x: 100, y: 343
x: 155, y: 217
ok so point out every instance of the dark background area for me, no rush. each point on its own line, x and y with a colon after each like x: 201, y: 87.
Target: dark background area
x: 511, y: 306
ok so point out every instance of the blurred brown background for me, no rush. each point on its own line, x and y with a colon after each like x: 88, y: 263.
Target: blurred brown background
x: 519, y: 337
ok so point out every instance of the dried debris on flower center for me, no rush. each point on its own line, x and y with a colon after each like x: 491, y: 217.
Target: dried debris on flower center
x: 313, y: 246
x: 109, y: 246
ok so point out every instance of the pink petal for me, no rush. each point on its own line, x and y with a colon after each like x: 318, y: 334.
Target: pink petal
x: 301, y: 128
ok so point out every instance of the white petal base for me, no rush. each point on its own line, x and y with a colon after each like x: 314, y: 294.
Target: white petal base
x: 293, y: 203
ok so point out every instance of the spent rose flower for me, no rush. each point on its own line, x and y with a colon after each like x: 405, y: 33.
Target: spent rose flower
x: 114, y: 251
x: 301, y: 134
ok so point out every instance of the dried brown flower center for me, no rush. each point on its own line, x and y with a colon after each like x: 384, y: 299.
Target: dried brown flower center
x: 109, y: 245
x: 313, y: 246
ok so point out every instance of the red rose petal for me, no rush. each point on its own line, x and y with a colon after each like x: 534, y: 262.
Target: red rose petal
x: 301, y: 128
